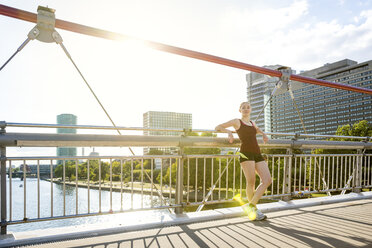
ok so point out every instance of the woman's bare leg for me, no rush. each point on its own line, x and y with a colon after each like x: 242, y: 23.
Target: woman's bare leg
x: 250, y: 176
x: 263, y: 171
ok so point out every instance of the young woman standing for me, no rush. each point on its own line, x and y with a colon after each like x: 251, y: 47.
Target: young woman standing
x: 250, y: 159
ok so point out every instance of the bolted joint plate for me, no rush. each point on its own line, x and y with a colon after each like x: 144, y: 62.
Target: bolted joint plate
x: 285, y: 84
x: 284, y: 79
x: 45, y: 28
x: 286, y: 73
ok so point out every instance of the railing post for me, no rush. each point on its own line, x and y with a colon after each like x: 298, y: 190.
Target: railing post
x: 3, y: 182
x: 179, y: 182
x: 358, y: 172
x: 287, y: 175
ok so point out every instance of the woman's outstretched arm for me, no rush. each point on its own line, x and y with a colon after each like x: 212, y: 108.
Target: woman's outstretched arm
x: 223, y: 128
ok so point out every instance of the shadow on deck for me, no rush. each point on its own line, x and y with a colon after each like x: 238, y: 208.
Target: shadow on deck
x: 341, y: 224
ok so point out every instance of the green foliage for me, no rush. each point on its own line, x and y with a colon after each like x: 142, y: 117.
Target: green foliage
x: 231, y: 173
x: 196, y: 173
x: 211, y: 151
x: 115, y: 177
x: 171, y: 173
x: 280, y: 151
x: 70, y: 170
x: 147, y: 164
x: 361, y: 129
x: 199, y: 170
x: 274, y: 151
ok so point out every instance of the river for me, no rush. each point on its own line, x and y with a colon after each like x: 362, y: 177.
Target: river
x: 70, y: 196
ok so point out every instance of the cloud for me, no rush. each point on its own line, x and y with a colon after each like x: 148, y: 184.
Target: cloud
x: 329, y: 41
x: 264, y: 21
x: 291, y: 36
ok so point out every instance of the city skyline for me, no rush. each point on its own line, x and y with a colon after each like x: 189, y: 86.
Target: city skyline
x: 130, y: 79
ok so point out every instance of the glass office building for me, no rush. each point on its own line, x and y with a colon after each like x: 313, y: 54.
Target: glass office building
x: 158, y: 119
x: 323, y: 109
x: 66, y: 119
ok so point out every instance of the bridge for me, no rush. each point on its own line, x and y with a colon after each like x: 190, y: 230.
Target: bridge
x: 190, y: 182
x: 342, y: 222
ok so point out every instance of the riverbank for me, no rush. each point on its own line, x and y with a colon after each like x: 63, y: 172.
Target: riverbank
x: 137, y: 188
x: 145, y: 188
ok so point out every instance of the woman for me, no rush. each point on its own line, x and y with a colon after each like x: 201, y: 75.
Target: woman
x: 251, y: 159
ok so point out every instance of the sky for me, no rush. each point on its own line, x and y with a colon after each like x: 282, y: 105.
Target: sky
x: 130, y: 79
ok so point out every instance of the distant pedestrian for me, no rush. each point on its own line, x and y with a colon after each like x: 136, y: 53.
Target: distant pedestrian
x: 250, y: 159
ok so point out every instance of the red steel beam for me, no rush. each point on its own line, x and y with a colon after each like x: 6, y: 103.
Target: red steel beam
x: 82, y: 29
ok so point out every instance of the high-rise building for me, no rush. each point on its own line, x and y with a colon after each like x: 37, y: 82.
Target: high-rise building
x: 323, y: 109
x: 158, y: 119
x: 66, y: 119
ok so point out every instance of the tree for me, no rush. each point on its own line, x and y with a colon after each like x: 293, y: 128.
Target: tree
x: 361, y: 128
x: 70, y: 170
x: 166, y: 177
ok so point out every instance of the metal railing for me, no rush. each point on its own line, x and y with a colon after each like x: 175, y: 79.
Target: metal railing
x: 4, y: 124
x: 113, y: 169
x: 86, y: 186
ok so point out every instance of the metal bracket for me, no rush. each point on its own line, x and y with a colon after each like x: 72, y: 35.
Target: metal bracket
x: 284, y: 78
x: 3, y: 223
x: 296, y: 136
x: 45, y: 28
x: 2, y: 127
x: 186, y: 131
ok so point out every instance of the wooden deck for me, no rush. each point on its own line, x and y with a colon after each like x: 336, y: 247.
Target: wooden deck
x: 346, y: 224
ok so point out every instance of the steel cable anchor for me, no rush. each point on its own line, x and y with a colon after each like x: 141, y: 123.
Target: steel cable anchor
x: 43, y: 31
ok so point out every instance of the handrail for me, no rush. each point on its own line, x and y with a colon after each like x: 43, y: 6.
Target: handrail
x: 38, y: 125
x: 99, y: 140
x: 82, y: 29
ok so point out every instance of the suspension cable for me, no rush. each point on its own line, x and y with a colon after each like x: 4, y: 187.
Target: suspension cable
x: 298, y: 111
x: 107, y: 114
x: 14, y: 54
x: 45, y: 25
x: 303, y: 126
x: 90, y: 88
x: 271, y: 96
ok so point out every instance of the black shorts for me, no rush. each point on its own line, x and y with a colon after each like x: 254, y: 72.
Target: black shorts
x: 250, y: 156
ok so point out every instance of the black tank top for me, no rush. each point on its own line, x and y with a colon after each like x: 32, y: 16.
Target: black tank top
x: 247, y: 136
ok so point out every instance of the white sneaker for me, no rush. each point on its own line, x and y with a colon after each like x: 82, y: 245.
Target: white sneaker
x: 250, y: 210
x: 260, y: 215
